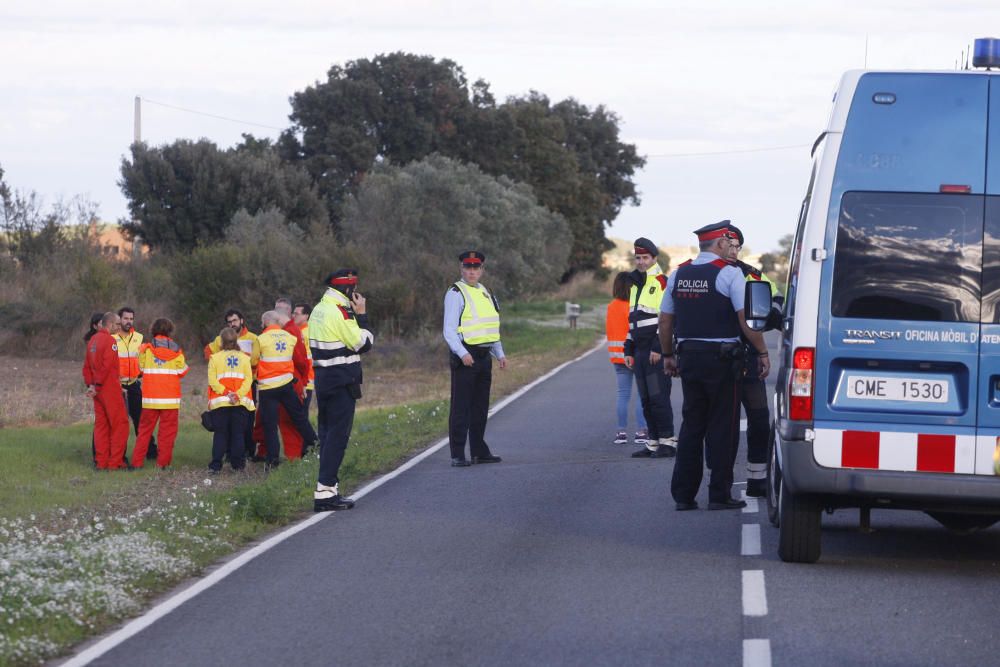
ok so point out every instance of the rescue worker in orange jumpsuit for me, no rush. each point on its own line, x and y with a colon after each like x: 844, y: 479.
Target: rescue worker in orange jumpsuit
x: 162, y: 363
x: 301, y: 314
x: 100, y: 373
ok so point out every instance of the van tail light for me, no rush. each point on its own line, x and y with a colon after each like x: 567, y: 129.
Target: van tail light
x: 800, y: 386
x: 948, y: 188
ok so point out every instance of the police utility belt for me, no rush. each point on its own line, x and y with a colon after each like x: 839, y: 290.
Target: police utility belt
x: 730, y: 351
x: 478, y: 351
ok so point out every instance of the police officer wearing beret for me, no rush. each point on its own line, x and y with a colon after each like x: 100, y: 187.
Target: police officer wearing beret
x: 338, y: 336
x: 703, y: 306
x: 472, y: 331
x: 753, y: 393
x: 642, y: 352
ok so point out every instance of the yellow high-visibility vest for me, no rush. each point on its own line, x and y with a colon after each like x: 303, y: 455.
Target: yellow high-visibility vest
x: 480, y: 323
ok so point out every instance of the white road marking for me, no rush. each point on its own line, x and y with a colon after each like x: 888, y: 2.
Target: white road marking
x: 743, y: 424
x: 754, y: 595
x: 752, y: 506
x: 135, y: 626
x: 750, y: 543
x: 756, y: 653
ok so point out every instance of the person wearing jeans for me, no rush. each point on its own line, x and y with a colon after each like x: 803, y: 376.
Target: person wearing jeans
x: 616, y: 329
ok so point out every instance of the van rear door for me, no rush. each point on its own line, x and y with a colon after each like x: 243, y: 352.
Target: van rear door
x: 897, y: 358
x: 988, y: 431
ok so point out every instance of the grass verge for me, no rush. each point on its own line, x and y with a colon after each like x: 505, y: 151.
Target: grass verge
x: 80, y: 550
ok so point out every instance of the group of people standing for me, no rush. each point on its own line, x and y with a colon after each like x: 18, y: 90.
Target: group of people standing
x: 691, y: 325
x: 260, y: 385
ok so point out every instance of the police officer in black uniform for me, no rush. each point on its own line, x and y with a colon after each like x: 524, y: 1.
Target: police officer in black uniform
x: 753, y: 393
x: 703, y: 306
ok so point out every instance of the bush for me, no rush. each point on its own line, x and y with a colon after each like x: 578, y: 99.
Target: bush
x: 410, y: 223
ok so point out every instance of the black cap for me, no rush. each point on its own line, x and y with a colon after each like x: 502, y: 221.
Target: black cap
x: 342, y: 278
x: 715, y: 230
x: 472, y: 258
x: 736, y: 230
x: 644, y: 246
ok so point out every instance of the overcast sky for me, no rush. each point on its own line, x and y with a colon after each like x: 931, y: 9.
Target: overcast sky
x: 685, y: 77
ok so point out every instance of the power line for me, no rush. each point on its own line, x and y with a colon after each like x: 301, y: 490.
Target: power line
x: 211, y: 115
x: 732, y: 152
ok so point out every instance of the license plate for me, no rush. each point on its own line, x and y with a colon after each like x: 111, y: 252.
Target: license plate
x: 870, y: 388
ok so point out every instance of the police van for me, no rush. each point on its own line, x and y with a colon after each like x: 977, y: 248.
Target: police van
x: 888, y: 388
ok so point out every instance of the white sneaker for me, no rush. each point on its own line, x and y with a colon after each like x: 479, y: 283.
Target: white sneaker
x: 641, y: 437
x: 621, y: 438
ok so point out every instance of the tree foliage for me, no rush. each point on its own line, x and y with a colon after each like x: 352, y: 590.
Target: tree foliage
x: 186, y: 193
x: 408, y: 225
x: 400, y: 107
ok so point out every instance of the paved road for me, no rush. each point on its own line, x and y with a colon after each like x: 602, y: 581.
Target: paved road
x: 570, y: 553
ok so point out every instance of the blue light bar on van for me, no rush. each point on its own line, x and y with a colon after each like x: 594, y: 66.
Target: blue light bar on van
x: 986, y: 52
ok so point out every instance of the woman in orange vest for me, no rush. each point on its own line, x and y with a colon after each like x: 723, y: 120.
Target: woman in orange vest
x: 162, y: 364
x: 229, y: 380
x: 616, y: 328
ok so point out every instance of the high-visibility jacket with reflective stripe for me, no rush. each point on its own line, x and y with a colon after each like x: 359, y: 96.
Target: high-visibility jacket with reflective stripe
x: 275, y: 368
x: 310, y: 381
x: 128, y: 356
x: 162, y: 364
x: 616, y: 328
x: 337, y: 338
x: 229, y: 371
x: 248, y: 345
x: 480, y: 323
x: 644, y: 313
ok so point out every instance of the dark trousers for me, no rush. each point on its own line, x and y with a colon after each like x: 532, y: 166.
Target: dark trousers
x: 754, y: 399
x: 654, y: 393
x: 230, y: 425
x: 133, y: 403
x: 470, y: 405
x: 286, y: 397
x: 336, y: 414
x: 307, y: 401
x: 709, y: 426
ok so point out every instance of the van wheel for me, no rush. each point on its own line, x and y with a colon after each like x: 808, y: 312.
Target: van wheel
x: 773, y: 481
x: 964, y: 524
x: 798, y: 528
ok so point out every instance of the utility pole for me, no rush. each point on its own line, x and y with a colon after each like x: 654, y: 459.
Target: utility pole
x: 137, y: 123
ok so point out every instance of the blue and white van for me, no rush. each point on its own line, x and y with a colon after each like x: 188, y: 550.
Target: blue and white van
x: 888, y: 389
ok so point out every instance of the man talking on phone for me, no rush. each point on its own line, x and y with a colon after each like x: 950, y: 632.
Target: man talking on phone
x: 338, y: 336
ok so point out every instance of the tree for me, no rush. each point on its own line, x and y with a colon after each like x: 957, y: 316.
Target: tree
x: 400, y: 107
x: 396, y: 107
x: 775, y: 263
x: 186, y: 193
x: 407, y: 226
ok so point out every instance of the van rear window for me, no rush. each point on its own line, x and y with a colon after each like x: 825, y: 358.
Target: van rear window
x: 908, y: 256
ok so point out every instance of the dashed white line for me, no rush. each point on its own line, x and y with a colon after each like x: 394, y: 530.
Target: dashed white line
x: 750, y: 544
x: 756, y: 653
x: 752, y: 505
x: 754, y: 596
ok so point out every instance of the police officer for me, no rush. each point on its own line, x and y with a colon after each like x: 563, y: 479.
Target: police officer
x: 642, y: 352
x: 753, y: 393
x: 472, y: 331
x: 703, y: 306
x: 338, y: 335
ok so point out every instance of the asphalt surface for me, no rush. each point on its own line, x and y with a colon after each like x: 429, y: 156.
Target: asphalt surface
x: 570, y: 553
